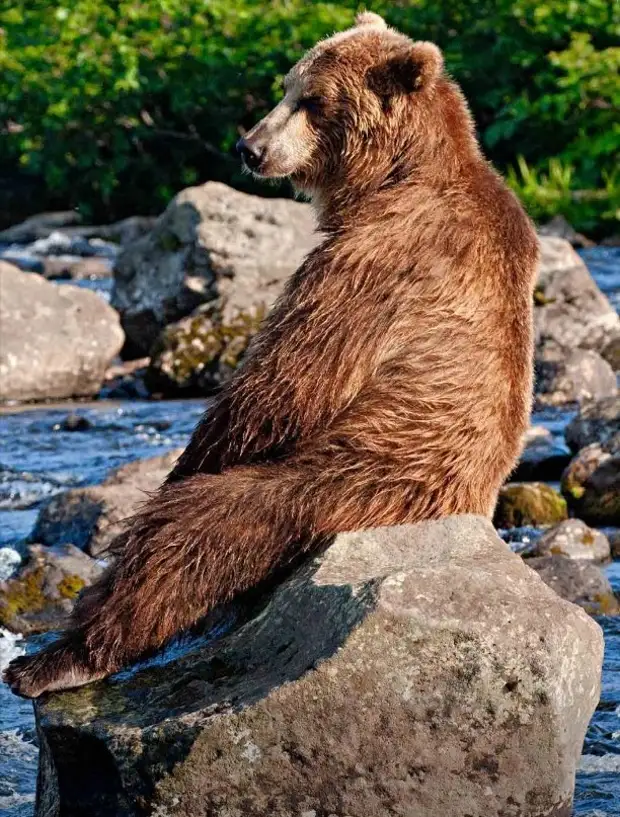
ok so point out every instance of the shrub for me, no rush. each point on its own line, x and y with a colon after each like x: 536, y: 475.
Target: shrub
x: 546, y: 193
x: 116, y: 105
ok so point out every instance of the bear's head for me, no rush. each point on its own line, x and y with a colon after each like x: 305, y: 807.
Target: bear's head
x: 359, y: 108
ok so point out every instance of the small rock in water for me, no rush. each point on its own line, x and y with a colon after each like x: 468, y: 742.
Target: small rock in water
x: 41, y: 596
x: 126, y: 380
x: 571, y: 376
x: 74, y: 422
x: 91, y: 517
x: 575, y: 540
x: 161, y: 425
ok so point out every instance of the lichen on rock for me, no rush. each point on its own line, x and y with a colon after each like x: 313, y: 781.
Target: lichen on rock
x: 40, y: 597
x: 529, y: 504
x: 575, y: 540
x: 199, y: 353
x: 591, y: 482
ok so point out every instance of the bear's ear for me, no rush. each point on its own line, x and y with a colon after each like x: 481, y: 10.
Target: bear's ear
x: 369, y: 18
x: 411, y: 69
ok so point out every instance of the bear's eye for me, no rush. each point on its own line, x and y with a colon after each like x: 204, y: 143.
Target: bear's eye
x: 311, y: 104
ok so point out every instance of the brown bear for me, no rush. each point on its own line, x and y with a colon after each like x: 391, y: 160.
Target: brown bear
x: 391, y: 383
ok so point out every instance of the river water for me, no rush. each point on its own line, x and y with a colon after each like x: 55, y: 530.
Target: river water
x: 39, y: 459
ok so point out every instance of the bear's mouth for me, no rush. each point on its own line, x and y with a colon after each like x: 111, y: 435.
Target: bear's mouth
x: 266, y: 169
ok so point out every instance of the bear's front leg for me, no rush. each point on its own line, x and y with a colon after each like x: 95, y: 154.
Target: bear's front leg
x: 195, y: 544
x: 201, y: 541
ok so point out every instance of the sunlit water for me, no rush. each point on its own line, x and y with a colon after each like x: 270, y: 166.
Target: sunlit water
x: 38, y: 459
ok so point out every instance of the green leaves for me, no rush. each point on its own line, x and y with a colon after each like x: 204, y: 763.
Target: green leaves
x: 555, y: 190
x: 146, y: 94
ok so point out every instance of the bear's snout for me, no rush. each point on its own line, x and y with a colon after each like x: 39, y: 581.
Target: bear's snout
x: 251, y: 153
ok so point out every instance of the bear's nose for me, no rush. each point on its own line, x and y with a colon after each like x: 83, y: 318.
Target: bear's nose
x: 251, y: 154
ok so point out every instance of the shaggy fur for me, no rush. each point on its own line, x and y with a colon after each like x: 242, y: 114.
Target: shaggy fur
x: 390, y: 384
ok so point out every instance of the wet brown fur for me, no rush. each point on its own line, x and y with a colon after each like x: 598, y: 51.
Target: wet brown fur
x: 390, y: 384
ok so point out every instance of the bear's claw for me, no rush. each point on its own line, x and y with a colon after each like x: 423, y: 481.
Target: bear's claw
x: 57, y: 667
x: 21, y: 678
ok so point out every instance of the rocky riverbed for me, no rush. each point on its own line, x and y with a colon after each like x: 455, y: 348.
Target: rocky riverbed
x: 46, y: 460
x: 196, y: 283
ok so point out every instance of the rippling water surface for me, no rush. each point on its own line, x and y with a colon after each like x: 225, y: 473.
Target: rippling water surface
x: 38, y: 459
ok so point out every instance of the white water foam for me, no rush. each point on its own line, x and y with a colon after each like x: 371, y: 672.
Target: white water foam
x: 599, y: 764
x: 18, y: 754
x: 9, y: 647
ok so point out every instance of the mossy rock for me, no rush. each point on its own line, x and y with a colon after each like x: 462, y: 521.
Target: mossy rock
x: 529, y: 504
x: 591, y: 483
x: 198, y: 354
x: 41, y: 596
x: 70, y: 587
x: 21, y: 595
x: 540, y: 299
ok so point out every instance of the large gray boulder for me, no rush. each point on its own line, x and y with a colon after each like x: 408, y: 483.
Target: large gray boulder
x: 570, y: 311
x: 55, y: 340
x: 571, y: 376
x: 417, y: 671
x: 212, y: 244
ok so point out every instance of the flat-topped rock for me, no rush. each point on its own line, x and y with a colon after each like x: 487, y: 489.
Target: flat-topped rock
x: 418, y: 671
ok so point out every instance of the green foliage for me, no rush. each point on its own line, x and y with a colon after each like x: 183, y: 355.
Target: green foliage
x: 552, y: 192
x: 118, y: 104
